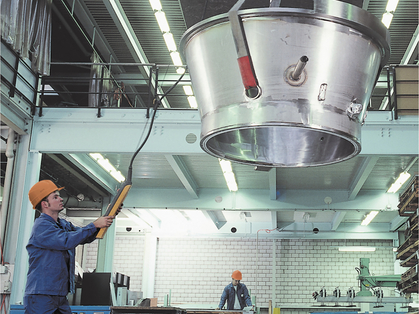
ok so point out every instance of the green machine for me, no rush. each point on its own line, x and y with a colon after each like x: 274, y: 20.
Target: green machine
x: 366, y: 281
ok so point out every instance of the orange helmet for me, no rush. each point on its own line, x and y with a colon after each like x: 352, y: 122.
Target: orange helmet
x: 41, y: 190
x: 237, y: 275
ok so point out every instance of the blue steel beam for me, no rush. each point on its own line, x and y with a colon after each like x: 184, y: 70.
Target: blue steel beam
x: 76, y: 130
x: 257, y: 199
x: 362, y: 175
x: 182, y: 171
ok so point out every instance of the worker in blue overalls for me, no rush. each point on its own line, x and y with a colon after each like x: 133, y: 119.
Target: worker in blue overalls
x: 51, y: 250
x: 235, y: 293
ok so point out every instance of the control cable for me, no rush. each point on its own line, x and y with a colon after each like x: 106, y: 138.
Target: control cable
x: 127, y: 184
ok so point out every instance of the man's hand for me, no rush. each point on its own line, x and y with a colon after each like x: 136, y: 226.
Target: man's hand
x: 119, y: 209
x: 104, y: 221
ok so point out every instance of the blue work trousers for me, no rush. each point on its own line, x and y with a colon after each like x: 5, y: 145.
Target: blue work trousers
x: 46, y: 304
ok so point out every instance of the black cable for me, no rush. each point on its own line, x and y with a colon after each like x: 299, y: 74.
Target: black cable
x: 157, y: 102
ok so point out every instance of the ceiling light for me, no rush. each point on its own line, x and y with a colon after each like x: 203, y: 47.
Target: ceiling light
x: 176, y: 58
x: 180, y: 70
x: 105, y: 164
x: 170, y: 41
x: 188, y: 90
x: 155, y: 5
x: 96, y: 156
x: 225, y: 165
x: 192, y: 102
x: 356, y: 249
x: 369, y: 218
x: 403, y: 177
x: 386, y: 20
x: 228, y: 174
x: 231, y: 181
x: 392, y: 5
x: 117, y: 175
x: 161, y: 20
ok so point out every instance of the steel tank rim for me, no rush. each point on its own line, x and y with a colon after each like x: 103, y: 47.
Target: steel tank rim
x: 339, y: 12
x: 354, y: 141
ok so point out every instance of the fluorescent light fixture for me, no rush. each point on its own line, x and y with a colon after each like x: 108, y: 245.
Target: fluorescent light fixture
x: 192, y: 102
x: 155, y: 5
x: 369, y: 218
x: 161, y: 20
x: 392, y: 5
x: 386, y: 20
x: 96, y: 156
x: 180, y: 70
x: 176, y: 58
x: 170, y: 41
x: 403, y: 177
x: 225, y: 165
x: 188, y: 90
x: 105, y: 164
x: 228, y: 174
x: 117, y: 175
x: 356, y: 249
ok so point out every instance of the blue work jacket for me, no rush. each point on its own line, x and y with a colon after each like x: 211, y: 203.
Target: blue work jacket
x: 229, y: 295
x: 51, y: 250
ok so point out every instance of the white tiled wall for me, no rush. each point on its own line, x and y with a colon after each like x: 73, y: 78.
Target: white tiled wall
x: 128, y: 258
x: 195, y: 270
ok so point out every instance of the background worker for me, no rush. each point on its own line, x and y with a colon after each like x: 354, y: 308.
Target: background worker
x: 51, y: 250
x: 235, y: 293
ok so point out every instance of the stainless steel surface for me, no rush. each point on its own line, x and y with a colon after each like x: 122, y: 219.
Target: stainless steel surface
x: 315, y: 120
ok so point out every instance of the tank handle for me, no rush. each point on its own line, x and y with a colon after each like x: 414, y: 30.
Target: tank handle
x: 244, y: 59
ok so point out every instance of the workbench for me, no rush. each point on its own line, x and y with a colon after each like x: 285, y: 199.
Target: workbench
x: 167, y: 310
x: 197, y: 311
x: 146, y: 310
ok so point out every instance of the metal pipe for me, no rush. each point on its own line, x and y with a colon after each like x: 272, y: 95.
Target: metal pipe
x: 7, y: 184
x: 295, y: 75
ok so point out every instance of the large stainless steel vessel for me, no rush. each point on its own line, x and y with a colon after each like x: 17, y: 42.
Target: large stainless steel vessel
x: 302, y: 119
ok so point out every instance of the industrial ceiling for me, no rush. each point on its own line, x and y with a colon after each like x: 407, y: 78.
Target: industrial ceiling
x: 126, y: 32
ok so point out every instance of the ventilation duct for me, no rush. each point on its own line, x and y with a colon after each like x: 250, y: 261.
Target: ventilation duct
x: 285, y: 87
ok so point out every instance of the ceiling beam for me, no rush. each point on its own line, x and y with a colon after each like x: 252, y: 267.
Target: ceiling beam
x: 258, y: 200
x: 397, y: 222
x: 337, y: 219
x: 135, y: 218
x: 81, y: 130
x: 216, y: 217
x: 362, y: 175
x: 182, y: 171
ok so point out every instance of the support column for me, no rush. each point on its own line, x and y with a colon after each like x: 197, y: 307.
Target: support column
x: 149, y: 265
x: 22, y: 217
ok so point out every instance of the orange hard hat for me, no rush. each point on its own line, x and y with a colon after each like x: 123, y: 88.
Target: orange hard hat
x: 41, y: 190
x: 237, y: 275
